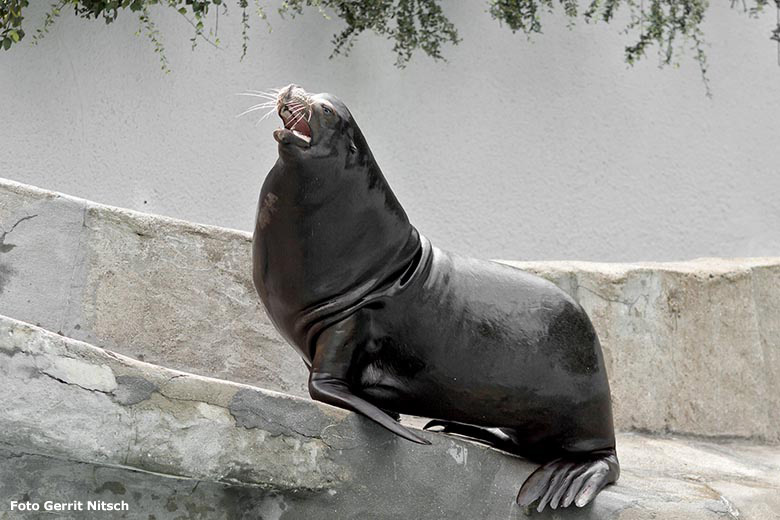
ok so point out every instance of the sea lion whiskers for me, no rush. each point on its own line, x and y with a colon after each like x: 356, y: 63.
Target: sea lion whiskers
x: 298, y: 112
x: 294, y: 114
x: 307, y: 110
x: 254, y: 94
x: 298, y: 105
x: 259, y: 106
x: 292, y: 124
x: 271, y: 94
x: 263, y: 104
x: 271, y: 101
x: 294, y: 121
x: 303, y: 103
x: 296, y: 96
x: 265, y: 116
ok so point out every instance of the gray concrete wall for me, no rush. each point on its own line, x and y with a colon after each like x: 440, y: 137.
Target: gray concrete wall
x: 546, y: 150
x: 690, y: 347
x: 160, y: 290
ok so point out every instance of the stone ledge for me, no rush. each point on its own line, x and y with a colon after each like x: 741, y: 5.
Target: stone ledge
x: 79, y: 422
x: 154, y: 288
x: 691, y: 347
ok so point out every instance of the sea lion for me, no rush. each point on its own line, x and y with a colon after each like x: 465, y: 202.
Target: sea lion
x: 387, y: 323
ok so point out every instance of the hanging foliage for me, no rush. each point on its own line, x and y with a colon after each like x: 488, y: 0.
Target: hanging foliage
x: 669, y: 26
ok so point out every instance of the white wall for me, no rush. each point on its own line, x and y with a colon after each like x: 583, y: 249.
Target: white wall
x: 547, y: 150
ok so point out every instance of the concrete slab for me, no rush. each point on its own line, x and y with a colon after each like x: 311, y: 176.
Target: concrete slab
x: 82, y: 423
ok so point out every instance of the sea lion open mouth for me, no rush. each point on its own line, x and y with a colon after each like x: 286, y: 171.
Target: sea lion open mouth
x: 296, y: 128
x: 295, y: 112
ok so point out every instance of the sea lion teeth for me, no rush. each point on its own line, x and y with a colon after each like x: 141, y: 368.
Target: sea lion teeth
x: 302, y: 136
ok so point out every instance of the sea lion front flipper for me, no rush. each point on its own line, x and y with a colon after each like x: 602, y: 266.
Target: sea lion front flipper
x: 564, y: 481
x: 327, y: 389
x: 328, y: 377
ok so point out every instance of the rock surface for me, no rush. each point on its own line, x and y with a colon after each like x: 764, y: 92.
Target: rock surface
x: 691, y: 347
x: 82, y: 423
x: 156, y: 289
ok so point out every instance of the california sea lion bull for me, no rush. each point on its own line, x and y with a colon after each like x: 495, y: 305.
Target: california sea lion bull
x: 387, y: 323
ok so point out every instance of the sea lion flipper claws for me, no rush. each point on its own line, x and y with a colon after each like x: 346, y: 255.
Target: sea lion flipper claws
x: 563, y: 482
x: 535, y: 485
x: 599, y: 476
x: 557, y: 496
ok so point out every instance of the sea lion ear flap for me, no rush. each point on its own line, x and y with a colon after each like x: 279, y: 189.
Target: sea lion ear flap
x: 351, y: 135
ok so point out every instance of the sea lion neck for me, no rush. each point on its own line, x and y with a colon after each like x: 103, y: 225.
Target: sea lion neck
x: 341, y: 208
x: 328, y: 233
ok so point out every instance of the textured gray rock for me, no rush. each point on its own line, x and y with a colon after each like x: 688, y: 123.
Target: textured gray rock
x: 81, y: 423
x: 157, y: 289
x: 70, y: 400
x: 691, y: 347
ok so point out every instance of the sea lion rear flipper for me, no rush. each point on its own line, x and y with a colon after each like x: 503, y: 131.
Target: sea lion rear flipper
x: 568, y: 480
x: 491, y: 436
x: 328, y: 377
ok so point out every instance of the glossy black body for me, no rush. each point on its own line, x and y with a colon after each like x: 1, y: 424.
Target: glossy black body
x: 386, y: 321
x: 477, y: 342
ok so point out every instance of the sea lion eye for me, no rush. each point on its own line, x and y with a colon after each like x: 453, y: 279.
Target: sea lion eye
x: 326, y: 110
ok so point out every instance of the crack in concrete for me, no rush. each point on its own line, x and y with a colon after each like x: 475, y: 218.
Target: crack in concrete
x: 12, y: 352
x: 628, y: 304
x: 21, y: 452
x: 7, y: 271
x: 282, y: 426
x: 162, y: 393
x: 4, y: 248
x: 134, y: 442
x: 42, y: 371
x: 763, y: 344
x: 77, y: 261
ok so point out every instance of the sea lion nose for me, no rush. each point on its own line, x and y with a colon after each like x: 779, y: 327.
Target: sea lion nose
x: 287, y: 91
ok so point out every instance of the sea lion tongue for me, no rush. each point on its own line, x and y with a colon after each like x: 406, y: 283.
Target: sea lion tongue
x: 295, y: 113
x: 296, y: 119
x: 300, y: 127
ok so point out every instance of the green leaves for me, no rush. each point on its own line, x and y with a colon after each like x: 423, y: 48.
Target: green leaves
x: 11, y: 22
x: 666, y: 24
x: 411, y: 25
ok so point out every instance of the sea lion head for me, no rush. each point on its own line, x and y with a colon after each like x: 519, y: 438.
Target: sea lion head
x: 316, y: 126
